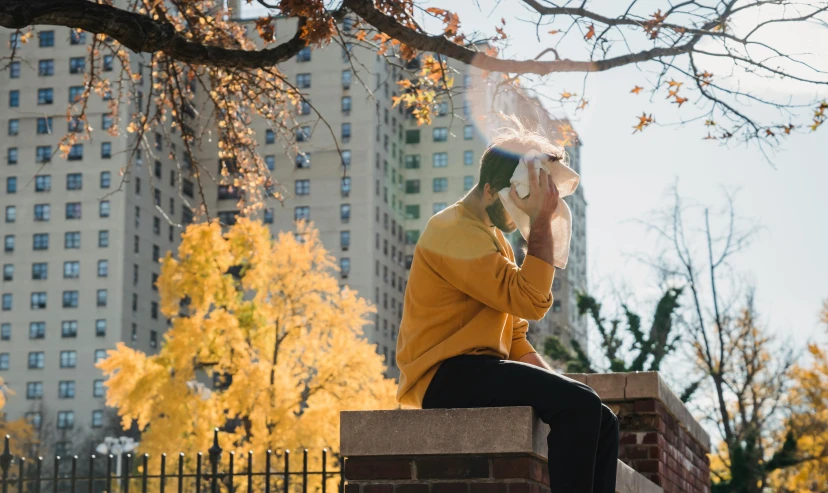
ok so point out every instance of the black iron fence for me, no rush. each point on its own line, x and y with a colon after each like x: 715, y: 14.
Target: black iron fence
x: 235, y: 475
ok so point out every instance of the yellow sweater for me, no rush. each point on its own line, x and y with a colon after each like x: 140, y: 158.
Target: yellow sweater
x: 465, y: 295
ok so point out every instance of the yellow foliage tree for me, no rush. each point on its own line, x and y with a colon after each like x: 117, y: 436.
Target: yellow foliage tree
x: 809, y: 426
x: 20, y: 431
x: 265, y: 324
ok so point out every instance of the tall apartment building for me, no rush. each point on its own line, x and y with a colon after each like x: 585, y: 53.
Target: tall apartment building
x: 80, y: 241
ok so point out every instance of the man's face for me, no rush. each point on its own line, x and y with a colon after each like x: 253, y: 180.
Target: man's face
x: 500, y: 217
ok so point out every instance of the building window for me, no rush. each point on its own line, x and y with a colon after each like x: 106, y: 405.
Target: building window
x: 412, y: 211
x: 8, y: 272
x: 437, y: 207
x: 468, y: 158
x: 42, y: 212
x: 4, y: 361
x: 100, y: 328
x: 70, y: 299
x: 107, y: 121
x: 304, y: 54
x: 34, y: 390
x: 37, y: 360
x: 8, y: 243
x: 97, y: 419
x: 44, y: 125
x: 346, y: 79
x: 71, y: 239
x: 73, y: 210
x: 77, y: 37
x: 301, y: 213
x: 14, y: 98
x: 344, y: 239
x: 346, y: 158
x: 270, y: 136
x: 412, y: 186
x: 77, y: 65
x: 14, y: 127
x: 303, y: 81
x: 107, y: 63
x: 106, y: 150
x: 346, y: 104
x: 103, y: 208
x: 412, y: 136
x: 439, y: 184
x: 11, y: 155
x: 440, y: 134
x: 68, y: 359
x: 156, y: 250
x: 98, y: 389
x: 304, y: 107
x: 100, y: 354
x: 40, y: 271
x: 5, y: 331
x: 345, y: 212
x: 302, y: 187
x: 43, y: 183
x: 43, y: 154
x: 46, y: 39
x: 37, y: 330
x: 66, y: 420
x: 440, y: 159
x: 468, y: 132
x: 346, y: 132
x: 345, y: 267
x: 468, y: 182
x: 103, y: 268
x: 442, y: 108
x: 71, y: 269
x: 75, y: 153
x: 40, y: 241
x: 11, y: 213
x: 556, y: 306
x: 38, y: 300
x: 66, y: 389
x: 412, y: 161
x: 74, y: 181
x: 106, y: 179
x: 345, y: 186
x: 103, y: 238
x: 411, y: 236
x: 45, y: 96
x: 14, y: 70
x: 270, y: 162
x: 102, y: 298
x: 303, y: 133
x: 69, y: 328
x: 154, y: 310
x: 75, y: 93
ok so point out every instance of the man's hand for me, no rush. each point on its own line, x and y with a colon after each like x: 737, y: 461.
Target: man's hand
x: 543, y: 195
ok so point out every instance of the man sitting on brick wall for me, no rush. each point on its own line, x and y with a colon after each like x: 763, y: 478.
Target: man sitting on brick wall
x: 462, y: 341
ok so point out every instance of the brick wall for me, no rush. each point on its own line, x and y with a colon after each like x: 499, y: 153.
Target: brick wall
x: 654, y: 443
x: 447, y: 474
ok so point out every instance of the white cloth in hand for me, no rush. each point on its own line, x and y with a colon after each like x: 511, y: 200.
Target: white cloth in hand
x: 566, y: 180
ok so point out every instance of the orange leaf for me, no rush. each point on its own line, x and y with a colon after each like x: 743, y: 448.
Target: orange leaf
x: 567, y: 95
x: 583, y: 104
x: 361, y: 35
x: 672, y: 83
x: 591, y: 32
x: 636, y: 89
x: 554, y: 31
x: 680, y: 101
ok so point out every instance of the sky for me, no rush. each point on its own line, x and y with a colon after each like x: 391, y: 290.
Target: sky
x: 626, y: 177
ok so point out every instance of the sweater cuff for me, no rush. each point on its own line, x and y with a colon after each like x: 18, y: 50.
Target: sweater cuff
x: 520, y: 348
x: 538, y: 273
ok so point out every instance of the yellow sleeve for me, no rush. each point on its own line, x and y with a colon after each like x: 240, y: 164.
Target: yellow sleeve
x: 520, y: 345
x: 470, y: 261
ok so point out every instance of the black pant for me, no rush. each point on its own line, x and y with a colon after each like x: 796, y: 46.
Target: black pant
x: 583, y: 436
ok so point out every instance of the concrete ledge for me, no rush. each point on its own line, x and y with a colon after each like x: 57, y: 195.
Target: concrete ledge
x: 629, y: 481
x: 614, y: 387
x: 442, y: 432
x: 458, y: 432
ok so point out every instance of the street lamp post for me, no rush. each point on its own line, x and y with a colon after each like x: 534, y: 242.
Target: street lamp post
x: 117, y: 447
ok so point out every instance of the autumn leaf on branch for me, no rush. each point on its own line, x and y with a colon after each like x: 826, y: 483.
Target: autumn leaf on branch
x: 583, y: 104
x: 567, y: 95
x: 643, y: 122
x: 590, y: 32
x: 680, y: 101
x: 554, y: 31
x: 266, y: 28
x: 636, y: 89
